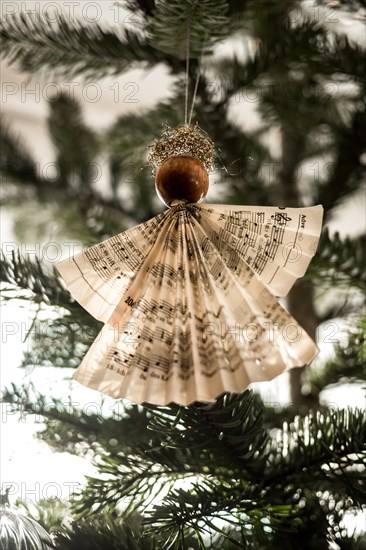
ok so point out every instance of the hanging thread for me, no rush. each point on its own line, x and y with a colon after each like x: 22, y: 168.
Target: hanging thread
x: 188, y: 50
x: 196, y: 87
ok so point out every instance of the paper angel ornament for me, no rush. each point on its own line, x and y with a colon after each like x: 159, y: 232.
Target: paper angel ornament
x: 188, y: 298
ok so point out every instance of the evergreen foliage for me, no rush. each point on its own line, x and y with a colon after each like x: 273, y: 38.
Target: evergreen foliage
x: 189, y: 23
x: 237, y: 473
x: 76, y: 145
x: 106, y: 531
x: 348, y: 363
x: 16, y: 162
x: 72, y: 49
x: 339, y: 262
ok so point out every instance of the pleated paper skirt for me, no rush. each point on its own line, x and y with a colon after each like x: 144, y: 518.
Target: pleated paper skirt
x: 189, y: 303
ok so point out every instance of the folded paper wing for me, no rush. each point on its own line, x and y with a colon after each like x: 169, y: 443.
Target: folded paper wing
x: 188, y: 299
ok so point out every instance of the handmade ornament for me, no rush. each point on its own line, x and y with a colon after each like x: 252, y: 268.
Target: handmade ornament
x: 188, y: 297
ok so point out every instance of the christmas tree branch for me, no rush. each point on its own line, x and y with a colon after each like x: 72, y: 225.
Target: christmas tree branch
x: 29, y: 279
x: 76, y: 145
x: 240, y: 158
x: 17, y: 166
x: 16, y: 163
x: 77, y: 430
x: 339, y: 262
x: 319, y: 442
x: 232, y: 426
x: 106, y: 530
x: 346, y: 174
x: 348, y: 363
x: 131, y: 481
x: 69, y: 49
x: 35, y: 281
x: 197, y: 25
x: 314, y: 442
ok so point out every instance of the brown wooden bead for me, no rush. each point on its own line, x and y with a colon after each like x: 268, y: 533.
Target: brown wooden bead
x: 181, y: 178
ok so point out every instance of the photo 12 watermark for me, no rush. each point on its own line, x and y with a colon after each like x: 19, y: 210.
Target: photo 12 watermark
x: 89, y: 92
x: 36, y: 491
x: 72, y: 12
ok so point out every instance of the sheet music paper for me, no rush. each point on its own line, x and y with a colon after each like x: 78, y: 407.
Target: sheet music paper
x: 188, y: 301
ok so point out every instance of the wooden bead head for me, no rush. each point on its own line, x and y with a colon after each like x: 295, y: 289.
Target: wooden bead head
x: 181, y: 178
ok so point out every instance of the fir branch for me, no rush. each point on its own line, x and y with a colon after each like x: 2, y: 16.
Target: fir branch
x: 319, y: 442
x: 131, y: 135
x: 78, y: 431
x: 240, y: 157
x: 69, y: 49
x: 76, y: 144
x: 16, y: 162
x: 269, y: 65
x: 28, y: 279
x: 201, y: 23
x: 344, y: 56
x: 191, y: 446
x: 137, y: 476
x: 302, y: 107
x: 330, y: 446
x: 309, y: 44
x: 235, y: 75
x: 132, y: 480
x: 348, y: 363
x: 106, y: 530
x: 102, y: 215
x: 214, y: 507
x: 34, y: 281
x: 127, y: 143
x: 231, y: 429
x: 339, y: 262
x: 210, y: 498
x: 347, y: 173
x: 61, y: 343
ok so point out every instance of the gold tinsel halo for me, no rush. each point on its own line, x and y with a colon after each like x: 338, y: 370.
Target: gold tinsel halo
x: 183, y: 140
